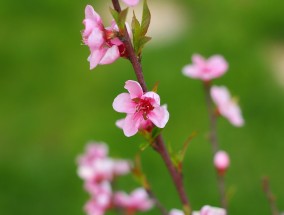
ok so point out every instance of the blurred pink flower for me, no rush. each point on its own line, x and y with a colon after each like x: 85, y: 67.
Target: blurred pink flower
x: 131, y: 2
x: 221, y: 161
x: 139, y: 107
x: 103, y: 42
x: 176, y: 212
x: 208, y: 210
x: 227, y: 107
x: 95, y: 165
x: 206, y: 70
x: 138, y: 200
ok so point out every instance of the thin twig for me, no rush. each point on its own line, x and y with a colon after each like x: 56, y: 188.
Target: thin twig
x: 270, y: 197
x: 159, y: 145
x: 214, y: 142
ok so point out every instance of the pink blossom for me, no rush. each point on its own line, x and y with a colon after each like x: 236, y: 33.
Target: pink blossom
x: 227, y: 107
x: 139, y: 107
x: 138, y: 200
x: 221, y: 161
x: 176, y: 212
x: 209, y: 210
x: 103, y: 42
x: 146, y: 125
x: 206, y: 70
x: 95, y: 166
x: 131, y: 2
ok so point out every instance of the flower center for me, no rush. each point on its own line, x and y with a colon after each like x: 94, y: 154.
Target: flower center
x: 144, y: 106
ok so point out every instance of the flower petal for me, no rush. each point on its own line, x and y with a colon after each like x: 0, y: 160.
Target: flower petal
x: 218, y: 65
x: 111, y: 55
x: 159, y: 116
x: 96, y: 38
x: 95, y: 57
x: 220, y: 95
x: 90, y: 13
x: 120, y: 123
x: 131, y: 125
x: 154, y: 96
x: 131, y: 2
x: 134, y: 89
x: 123, y: 103
x: 191, y: 71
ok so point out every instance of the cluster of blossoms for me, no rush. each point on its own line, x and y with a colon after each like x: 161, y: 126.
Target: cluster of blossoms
x: 206, y: 70
x: 98, y: 172
x: 143, y: 113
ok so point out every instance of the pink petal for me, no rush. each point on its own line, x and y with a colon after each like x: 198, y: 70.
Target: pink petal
x: 120, y: 123
x: 220, y: 95
x: 121, y: 167
x: 176, y: 212
x: 95, y: 57
x: 141, y: 199
x: 95, y: 39
x: 131, y: 2
x: 159, y: 116
x: 154, y: 96
x: 218, y: 65
x: 121, y: 199
x: 123, y: 104
x: 131, y: 124
x: 111, y: 55
x: 198, y: 60
x: 234, y: 114
x: 191, y: 71
x: 134, y: 89
x: 90, y: 13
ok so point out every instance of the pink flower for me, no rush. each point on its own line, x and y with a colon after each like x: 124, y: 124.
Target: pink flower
x: 146, y: 125
x: 227, y: 107
x: 131, y: 2
x: 176, y: 212
x: 103, y: 42
x: 138, y: 200
x: 206, y: 70
x: 209, y: 210
x: 139, y: 107
x: 221, y: 161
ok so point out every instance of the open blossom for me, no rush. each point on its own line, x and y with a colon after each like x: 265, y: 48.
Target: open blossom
x: 227, y: 107
x: 131, y: 2
x: 138, y: 200
x: 103, y: 42
x: 95, y: 165
x: 209, y: 210
x: 141, y: 108
x: 206, y: 70
x: 176, y: 212
x: 221, y: 161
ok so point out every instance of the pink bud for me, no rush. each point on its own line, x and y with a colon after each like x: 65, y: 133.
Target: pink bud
x: 221, y: 161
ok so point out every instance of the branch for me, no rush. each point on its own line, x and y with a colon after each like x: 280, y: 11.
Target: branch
x: 159, y: 145
x: 269, y: 195
x: 214, y: 142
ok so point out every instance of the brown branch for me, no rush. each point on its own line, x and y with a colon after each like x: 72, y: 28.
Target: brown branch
x: 214, y: 142
x: 159, y: 143
x: 270, y: 197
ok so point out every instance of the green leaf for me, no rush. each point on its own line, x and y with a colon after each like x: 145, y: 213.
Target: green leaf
x: 156, y: 131
x: 155, y: 88
x: 122, y: 18
x: 146, y: 19
x: 142, y: 43
x: 136, y: 29
x: 114, y: 14
x: 144, y: 146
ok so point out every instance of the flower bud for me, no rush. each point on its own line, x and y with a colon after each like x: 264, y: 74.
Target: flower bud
x: 221, y: 162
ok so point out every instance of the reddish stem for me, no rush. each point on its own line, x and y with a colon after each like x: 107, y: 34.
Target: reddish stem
x: 270, y: 197
x: 159, y: 145
x: 214, y: 142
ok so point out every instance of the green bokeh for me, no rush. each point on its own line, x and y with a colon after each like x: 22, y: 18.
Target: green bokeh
x: 51, y: 105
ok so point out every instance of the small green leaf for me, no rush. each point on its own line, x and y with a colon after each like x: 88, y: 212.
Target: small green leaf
x: 142, y: 43
x: 146, y: 19
x: 156, y: 131
x: 136, y: 29
x: 114, y: 14
x: 144, y: 146
x: 122, y: 18
x: 155, y: 88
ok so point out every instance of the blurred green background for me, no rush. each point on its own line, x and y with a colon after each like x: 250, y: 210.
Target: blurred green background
x: 51, y: 104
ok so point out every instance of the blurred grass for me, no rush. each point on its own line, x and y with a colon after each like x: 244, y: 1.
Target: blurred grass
x: 51, y: 105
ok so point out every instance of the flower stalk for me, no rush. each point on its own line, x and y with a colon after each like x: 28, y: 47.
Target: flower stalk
x: 159, y: 144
